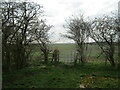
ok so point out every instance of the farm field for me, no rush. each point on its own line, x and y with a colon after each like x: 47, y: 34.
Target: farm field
x: 67, y: 51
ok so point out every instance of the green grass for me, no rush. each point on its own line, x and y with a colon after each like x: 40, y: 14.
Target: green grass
x: 62, y: 76
x: 35, y: 54
x: 93, y: 74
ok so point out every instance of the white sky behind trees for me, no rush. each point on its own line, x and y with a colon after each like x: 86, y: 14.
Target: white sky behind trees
x: 57, y: 11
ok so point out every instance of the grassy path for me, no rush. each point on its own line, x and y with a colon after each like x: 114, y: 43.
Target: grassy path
x: 90, y: 75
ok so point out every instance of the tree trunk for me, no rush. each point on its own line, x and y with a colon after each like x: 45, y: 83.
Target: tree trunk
x: 45, y: 57
x: 112, y: 54
x: 8, y: 60
x: 113, y: 63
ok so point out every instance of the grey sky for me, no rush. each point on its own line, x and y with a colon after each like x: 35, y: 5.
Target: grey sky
x: 56, y: 11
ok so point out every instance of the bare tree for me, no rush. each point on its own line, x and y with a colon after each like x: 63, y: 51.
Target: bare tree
x: 103, y: 32
x: 40, y: 34
x: 119, y: 41
x: 78, y: 30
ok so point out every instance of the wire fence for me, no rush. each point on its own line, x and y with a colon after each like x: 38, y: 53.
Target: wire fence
x: 67, y: 57
x: 64, y: 56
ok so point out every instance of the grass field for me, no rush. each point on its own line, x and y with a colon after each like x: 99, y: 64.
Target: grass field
x: 93, y: 74
x: 90, y: 75
x: 66, y: 49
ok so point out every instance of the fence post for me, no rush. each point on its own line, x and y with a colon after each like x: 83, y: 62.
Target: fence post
x: 71, y: 56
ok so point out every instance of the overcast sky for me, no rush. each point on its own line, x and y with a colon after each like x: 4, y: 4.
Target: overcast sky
x: 57, y: 11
